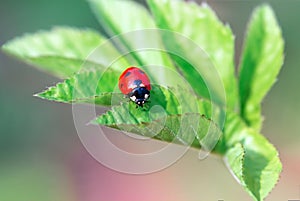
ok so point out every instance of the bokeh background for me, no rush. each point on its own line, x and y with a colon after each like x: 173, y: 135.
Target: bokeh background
x: 41, y: 157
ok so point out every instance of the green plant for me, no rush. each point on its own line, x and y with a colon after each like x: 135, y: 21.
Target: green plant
x: 65, y: 53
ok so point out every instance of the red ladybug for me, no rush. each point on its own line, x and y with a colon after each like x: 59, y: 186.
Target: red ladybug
x: 135, y: 84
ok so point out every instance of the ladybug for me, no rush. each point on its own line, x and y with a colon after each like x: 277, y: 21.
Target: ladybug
x: 135, y: 84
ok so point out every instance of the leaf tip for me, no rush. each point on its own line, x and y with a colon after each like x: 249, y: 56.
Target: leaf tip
x: 265, y: 9
x: 41, y: 95
x: 36, y: 95
x: 5, y: 47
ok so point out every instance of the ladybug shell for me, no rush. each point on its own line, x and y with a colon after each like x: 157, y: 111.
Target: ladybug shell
x: 132, y: 78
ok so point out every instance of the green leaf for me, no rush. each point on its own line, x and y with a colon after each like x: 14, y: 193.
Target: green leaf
x: 200, y: 25
x: 86, y: 87
x: 188, y: 128
x: 169, y: 116
x: 250, y: 152
x: 134, y: 33
x: 118, y: 16
x: 261, y: 61
x: 255, y: 164
x: 234, y: 159
x: 262, y: 166
x: 62, y: 51
x: 101, y: 87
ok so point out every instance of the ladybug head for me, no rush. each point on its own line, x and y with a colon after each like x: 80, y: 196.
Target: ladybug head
x: 140, y: 96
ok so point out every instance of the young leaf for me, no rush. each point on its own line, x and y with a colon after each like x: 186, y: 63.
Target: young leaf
x: 117, y: 16
x: 188, y: 128
x: 202, y: 27
x: 249, y: 151
x: 261, y: 61
x: 60, y: 52
x: 255, y: 164
x: 64, y: 51
x: 89, y: 86
x: 261, y: 166
x: 170, y: 115
x: 234, y: 159
x: 133, y: 31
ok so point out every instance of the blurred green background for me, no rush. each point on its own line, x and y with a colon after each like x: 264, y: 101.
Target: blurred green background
x: 41, y: 157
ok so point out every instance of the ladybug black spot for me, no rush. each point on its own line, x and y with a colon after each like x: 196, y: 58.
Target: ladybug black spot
x: 141, y: 71
x: 122, y: 85
x: 137, y: 82
x: 127, y: 74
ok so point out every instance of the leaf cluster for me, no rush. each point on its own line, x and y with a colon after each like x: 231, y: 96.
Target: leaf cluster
x: 188, y: 53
